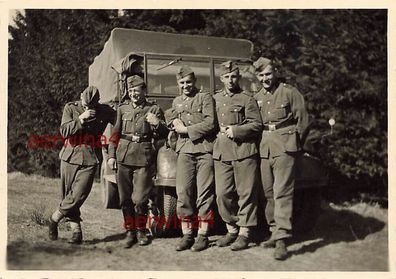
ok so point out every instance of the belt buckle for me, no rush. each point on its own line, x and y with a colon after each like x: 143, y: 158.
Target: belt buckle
x: 271, y: 127
x: 223, y: 129
x: 135, y: 138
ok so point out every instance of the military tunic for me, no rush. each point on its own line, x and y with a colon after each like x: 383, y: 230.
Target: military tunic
x: 284, y: 118
x: 80, y: 155
x: 195, y: 170
x: 236, y: 164
x: 134, y: 154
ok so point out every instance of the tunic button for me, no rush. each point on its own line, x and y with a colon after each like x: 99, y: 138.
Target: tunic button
x: 235, y: 110
x: 224, y: 105
x: 188, y: 114
x: 222, y: 114
x: 268, y: 102
x: 269, y: 112
x: 189, y: 122
x: 221, y: 123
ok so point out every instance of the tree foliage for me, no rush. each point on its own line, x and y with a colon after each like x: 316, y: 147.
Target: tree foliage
x: 337, y: 59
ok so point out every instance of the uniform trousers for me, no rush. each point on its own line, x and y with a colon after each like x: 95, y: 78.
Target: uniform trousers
x: 236, y: 191
x: 195, y: 186
x: 134, y: 188
x: 278, y: 176
x: 76, y: 181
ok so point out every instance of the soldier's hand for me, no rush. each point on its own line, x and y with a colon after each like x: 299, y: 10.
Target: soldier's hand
x: 229, y: 132
x: 86, y: 115
x: 179, y: 126
x: 112, y: 163
x: 152, y: 119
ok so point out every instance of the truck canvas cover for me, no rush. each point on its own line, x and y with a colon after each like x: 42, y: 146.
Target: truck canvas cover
x: 125, y: 41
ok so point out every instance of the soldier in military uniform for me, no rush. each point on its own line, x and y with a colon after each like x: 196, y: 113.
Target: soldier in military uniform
x: 193, y: 118
x: 138, y: 122
x: 236, y: 158
x: 83, y: 123
x: 285, y: 119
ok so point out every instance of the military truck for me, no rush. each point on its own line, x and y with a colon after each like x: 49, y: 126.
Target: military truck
x: 156, y: 56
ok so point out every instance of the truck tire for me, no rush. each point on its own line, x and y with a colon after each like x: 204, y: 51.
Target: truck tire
x: 306, y: 209
x: 168, y: 225
x: 170, y: 201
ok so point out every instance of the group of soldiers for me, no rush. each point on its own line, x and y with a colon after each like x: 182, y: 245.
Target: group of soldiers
x: 225, y: 143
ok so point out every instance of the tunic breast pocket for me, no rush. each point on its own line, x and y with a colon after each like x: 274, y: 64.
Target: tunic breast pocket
x: 282, y: 110
x: 196, y: 113
x: 179, y: 108
x: 236, y: 115
x: 127, y: 124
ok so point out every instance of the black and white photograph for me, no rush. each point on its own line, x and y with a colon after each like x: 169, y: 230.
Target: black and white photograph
x: 175, y: 139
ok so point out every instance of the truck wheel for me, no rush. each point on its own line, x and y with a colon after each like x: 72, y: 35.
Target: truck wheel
x: 110, y: 198
x: 170, y: 201
x: 306, y: 209
x: 168, y: 224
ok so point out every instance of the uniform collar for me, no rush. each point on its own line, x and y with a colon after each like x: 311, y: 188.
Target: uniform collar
x: 142, y: 105
x: 230, y: 94
x: 185, y: 97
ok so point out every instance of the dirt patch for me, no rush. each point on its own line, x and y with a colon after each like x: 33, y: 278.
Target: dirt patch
x: 353, y: 238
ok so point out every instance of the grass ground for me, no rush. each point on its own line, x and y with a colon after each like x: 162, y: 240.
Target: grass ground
x: 346, y: 238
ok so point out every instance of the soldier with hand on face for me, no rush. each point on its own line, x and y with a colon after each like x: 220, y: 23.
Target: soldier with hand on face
x: 236, y: 158
x: 193, y: 118
x: 83, y: 123
x: 285, y: 119
x: 138, y: 122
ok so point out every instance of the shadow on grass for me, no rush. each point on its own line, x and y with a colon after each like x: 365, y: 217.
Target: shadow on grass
x: 110, y: 238
x: 335, y: 226
x: 17, y: 252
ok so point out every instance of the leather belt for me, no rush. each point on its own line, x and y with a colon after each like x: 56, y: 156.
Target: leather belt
x: 135, y: 138
x: 273, y: 127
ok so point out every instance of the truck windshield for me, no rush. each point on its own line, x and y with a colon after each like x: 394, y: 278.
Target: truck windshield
x: 161, y: 77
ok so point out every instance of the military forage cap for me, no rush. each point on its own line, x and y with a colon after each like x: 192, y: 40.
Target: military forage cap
x: 134, y: 81
x: 90, y: 95
x: 228, y: 67
x: 261, y: 63
x: 184, y: 71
